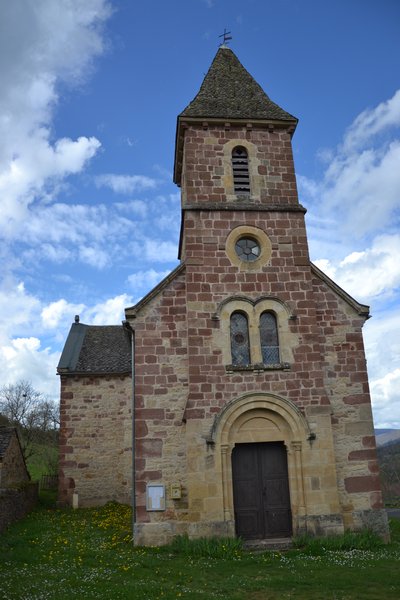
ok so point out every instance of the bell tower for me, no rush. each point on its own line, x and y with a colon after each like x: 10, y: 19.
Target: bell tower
x: 229, y: 122
x: 243, y: 231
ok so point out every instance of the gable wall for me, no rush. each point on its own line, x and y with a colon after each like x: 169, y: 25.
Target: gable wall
x: 346, y: 380
x: 161, y: 380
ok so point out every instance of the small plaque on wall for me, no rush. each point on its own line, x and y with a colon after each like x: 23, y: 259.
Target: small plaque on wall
x: 155, y: 496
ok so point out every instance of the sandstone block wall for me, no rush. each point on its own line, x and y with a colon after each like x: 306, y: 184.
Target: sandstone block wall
x: 346, y: 380
x: 207, y: 170
x: 15, y: 503
x: 161, y: 393
x: 95, y: 439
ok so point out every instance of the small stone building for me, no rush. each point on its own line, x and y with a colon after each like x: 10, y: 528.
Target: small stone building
x: 18, y: 495
x: 245, y: 365
x: 13, y: 471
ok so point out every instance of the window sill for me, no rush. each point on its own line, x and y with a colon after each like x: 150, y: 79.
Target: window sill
x: 258, y: 368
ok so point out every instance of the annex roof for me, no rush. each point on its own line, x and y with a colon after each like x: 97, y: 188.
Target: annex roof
x: 96, y: 349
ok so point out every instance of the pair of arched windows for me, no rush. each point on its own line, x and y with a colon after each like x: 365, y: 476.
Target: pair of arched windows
x: 240, y: 169
x: 240, y: 342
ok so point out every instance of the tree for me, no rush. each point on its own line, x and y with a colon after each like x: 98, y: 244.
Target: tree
x: 34, y: 415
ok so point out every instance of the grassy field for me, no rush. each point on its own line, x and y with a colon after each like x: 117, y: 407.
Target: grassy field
x: 88, y: 553
x: 43, y: 461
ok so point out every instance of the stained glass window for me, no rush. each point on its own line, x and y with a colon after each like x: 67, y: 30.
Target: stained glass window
x: 269, y: 338
x: 240, y: 339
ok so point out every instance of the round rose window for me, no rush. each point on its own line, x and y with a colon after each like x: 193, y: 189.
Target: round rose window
x: 247, y: 249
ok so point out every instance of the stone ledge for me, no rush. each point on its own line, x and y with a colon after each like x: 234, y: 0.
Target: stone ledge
x: 283, y: 366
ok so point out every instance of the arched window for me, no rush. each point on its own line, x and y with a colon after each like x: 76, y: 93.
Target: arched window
x: 240, y: 347
x: 240, y: 168
x: 269, y: 338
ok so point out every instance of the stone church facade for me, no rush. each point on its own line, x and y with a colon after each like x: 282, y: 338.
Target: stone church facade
x: 245, y: 366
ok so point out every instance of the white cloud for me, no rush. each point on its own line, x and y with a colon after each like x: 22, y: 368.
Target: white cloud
x: 159, y: 251
x: 49, y: 42
x: 372, y: 122
x: 356, y: 199
x: 97, y: 235
x: 19, y: 310
x: 36, y: 172
x: 23, y: 358
x: 43, y: 53
x: 125, y: 184
x: 107, y: 313
x: 382, y: 345
x: 136, y: 207
x: 386, y: 399
x: 59, y: 312
x: 146, y: 279
x: 21, y: 354
x: 94, y: 256
x: 368, y: 274
x: 361, y: 185
x: 24, y: 323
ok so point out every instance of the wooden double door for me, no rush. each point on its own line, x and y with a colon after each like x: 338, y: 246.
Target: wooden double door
x: 261, y: 490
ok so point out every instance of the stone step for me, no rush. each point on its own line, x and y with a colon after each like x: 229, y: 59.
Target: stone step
x: 277, y: 544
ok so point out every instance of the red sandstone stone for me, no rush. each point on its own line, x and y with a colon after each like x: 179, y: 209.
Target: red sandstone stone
x: 364, y: 483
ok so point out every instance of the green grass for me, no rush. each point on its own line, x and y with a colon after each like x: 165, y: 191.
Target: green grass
x: 227, y: 548
x: 365, y: 540
x: 88, y: 553
x: 43, y: 461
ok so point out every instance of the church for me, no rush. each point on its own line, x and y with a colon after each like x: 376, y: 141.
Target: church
x: 233, y: 400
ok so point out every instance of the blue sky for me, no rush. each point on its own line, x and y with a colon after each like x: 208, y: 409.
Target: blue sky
x: 89, y: 216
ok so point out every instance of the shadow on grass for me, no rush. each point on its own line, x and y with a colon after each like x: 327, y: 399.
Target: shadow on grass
x: 47, y: 499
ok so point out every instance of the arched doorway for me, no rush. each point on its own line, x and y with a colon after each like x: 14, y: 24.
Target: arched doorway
x: 261, y: 497
x: 261, y: 438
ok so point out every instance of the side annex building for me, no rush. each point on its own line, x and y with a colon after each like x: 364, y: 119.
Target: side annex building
x: 246, y: 364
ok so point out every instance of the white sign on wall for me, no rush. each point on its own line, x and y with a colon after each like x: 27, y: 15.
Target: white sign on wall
x: 155, y: 496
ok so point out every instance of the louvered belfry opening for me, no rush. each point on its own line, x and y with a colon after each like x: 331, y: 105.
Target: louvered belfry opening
x: 240, y: 167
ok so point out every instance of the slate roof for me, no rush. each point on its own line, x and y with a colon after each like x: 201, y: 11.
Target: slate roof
x: 96, y: 349
x: 230, y: 92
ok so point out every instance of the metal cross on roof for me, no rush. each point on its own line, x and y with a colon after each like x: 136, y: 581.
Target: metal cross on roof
x: 226, y: 35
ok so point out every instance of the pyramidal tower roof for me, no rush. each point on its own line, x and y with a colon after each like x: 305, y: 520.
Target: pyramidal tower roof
x: 230, y: 92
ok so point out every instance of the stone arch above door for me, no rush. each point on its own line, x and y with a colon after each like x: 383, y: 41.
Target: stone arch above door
x: 281, y: 418
x: 262, y: 417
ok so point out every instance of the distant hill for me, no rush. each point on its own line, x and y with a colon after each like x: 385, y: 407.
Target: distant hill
x: 389, y: 464
x: 386, y: 436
